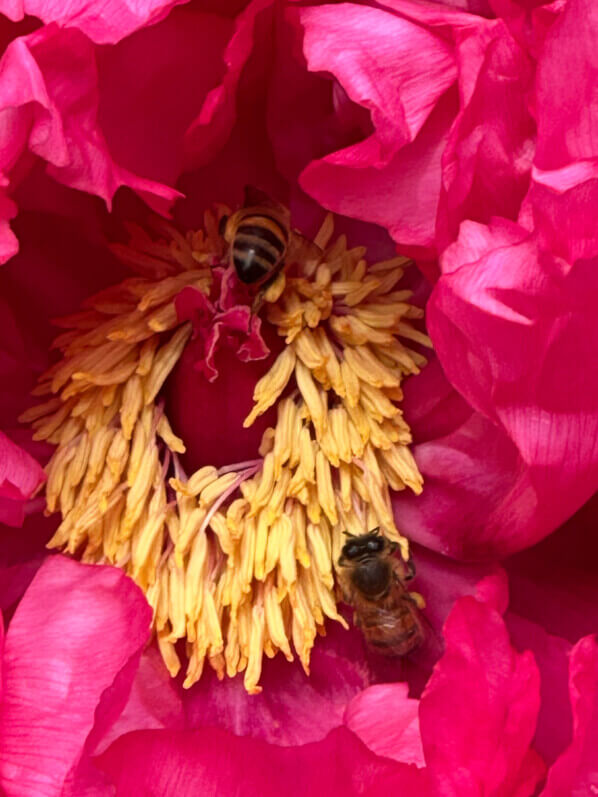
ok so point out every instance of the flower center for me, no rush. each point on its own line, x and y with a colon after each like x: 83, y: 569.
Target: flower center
x: 238, y: 558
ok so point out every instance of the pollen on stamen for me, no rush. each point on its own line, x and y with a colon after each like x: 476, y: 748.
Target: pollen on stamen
x: 238, y: 561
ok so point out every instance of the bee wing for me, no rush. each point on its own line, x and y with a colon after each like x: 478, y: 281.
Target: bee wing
x: 255, y: 197
x: 301, y: 249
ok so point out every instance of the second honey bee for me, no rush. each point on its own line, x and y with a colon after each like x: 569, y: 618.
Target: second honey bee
x: 372, y: 580
x: 261, y: 241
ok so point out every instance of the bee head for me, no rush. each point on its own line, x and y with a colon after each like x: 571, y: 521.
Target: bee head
x: 365, y: 546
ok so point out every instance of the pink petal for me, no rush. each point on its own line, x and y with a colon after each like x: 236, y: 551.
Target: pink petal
x: 146, y: 103
x: 386, y: 719
x: 478, y: 712
x: 365, y: 50
x: 507, y: 320
x: 213, y: 762
x: 479, y: 501
x: 575, y: 773
x: 20, y: 476
x: 551, y: 653
x: 103, y: 22
x: 568, y: 121
x: 70, y: 655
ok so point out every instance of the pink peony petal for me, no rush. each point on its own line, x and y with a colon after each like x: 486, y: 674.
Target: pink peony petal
x: 154, y: 702
x: 9, y: 245
x: 76, y: 634
x: 478, y: 713
x: 478, y: 500
x: 386, y: 719
x: 575, y: 773
x: 213, y: 762
x: 553, y: 731
x: 20, y: 476
x: 103, y: 22
x: 508, y: 320
x: 293, y: 708
x: 146, y: 103
x: 365, y: 50
x: 568, y: 121
x: 554, y: 583
x: 487, y: 162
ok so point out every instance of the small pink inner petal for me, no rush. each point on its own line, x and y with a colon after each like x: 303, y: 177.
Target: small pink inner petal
x: 210, y: 392
x: 386, y: 719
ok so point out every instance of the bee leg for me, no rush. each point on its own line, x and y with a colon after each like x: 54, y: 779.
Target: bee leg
x: 410, y: 569
x: 418, y: 599
x: 258, y: 301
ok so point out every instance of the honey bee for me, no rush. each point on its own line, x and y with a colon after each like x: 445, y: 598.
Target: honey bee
x: 372, y: 580
x: 261, y: 241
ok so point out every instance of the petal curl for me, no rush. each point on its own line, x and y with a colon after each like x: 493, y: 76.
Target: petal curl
x: 575, y: 773
x: 20, y: 476
x: 398, y: 71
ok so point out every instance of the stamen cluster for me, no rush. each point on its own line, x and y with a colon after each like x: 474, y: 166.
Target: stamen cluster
x: 237, y: 561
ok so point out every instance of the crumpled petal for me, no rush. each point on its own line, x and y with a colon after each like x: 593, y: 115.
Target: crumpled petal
x: 49, y: 96
x: 575, y: 773
x: 213, y: 762
x: 479, y: 710
x: 510, y: 324
x: 487, y: 162
x: 74, y: 634
x: 103, y: 22
x: 20, y: 476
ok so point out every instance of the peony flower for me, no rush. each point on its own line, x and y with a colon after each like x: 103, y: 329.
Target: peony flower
x: 216, y: 457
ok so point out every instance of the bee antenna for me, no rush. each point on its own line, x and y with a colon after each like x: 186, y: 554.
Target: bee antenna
x: 348, y: 534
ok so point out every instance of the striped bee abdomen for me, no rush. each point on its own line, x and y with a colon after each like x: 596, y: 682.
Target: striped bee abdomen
x: 258, y: 247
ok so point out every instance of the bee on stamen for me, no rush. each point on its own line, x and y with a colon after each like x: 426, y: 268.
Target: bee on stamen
x: 373, y: 582
x: 261, y: 242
